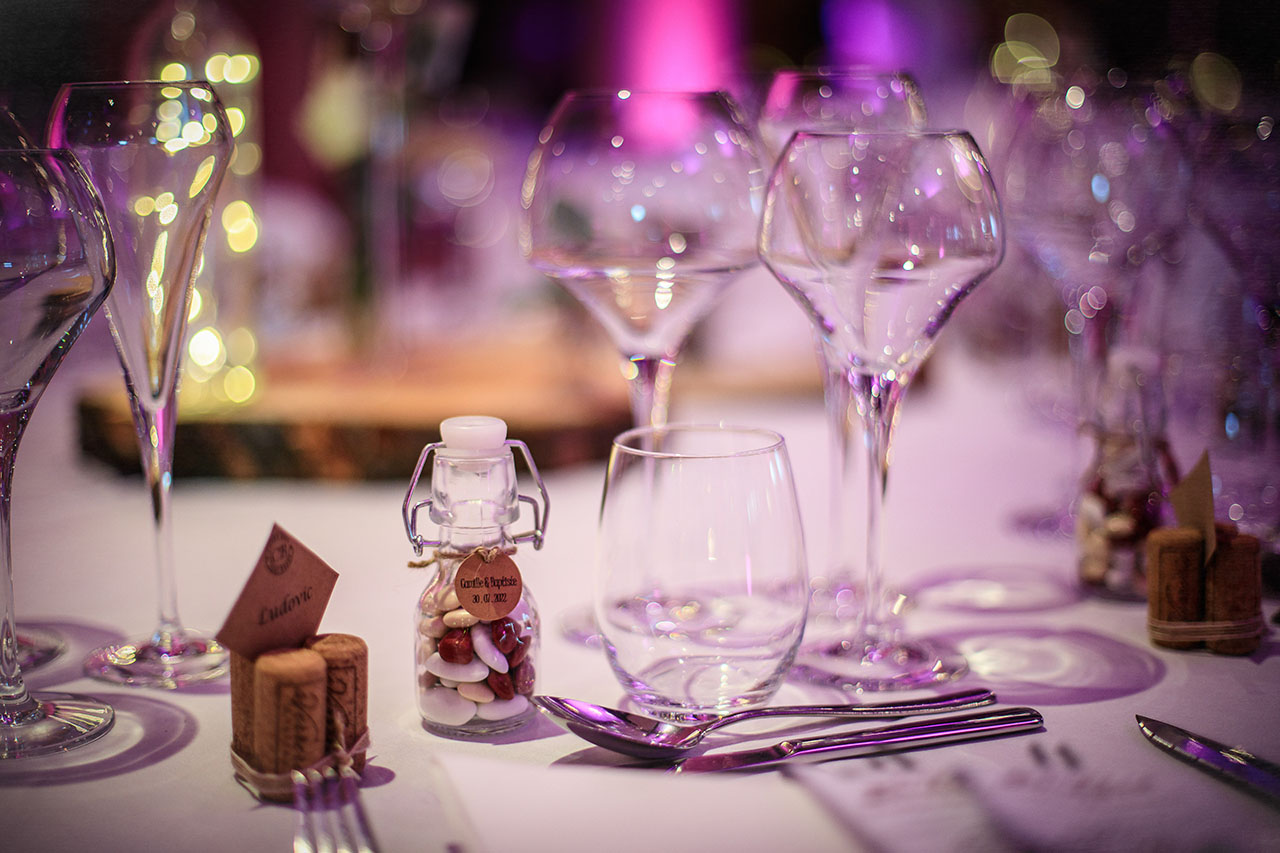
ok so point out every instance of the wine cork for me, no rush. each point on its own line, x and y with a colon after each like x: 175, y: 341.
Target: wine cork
x: 1233, y: 594
x: 242, y: 706
x: 288, y: 710
x: 347, y: 660
x: 1175, y: 582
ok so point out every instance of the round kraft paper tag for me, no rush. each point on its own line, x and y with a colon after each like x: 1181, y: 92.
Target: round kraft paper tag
x: 488, y: 590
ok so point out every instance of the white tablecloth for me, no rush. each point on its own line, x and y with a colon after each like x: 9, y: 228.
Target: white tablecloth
x: 969, y: 455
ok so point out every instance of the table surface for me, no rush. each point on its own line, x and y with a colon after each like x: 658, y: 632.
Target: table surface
x: 970, y: 454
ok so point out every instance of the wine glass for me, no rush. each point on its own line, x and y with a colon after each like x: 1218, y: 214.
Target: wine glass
x: 878, y: 237
x: 837, y: 98
x: 643, y: 205
x: 156, y: 151
x: 701, y: 594
x: 56, y: 266
x: 35, y: 646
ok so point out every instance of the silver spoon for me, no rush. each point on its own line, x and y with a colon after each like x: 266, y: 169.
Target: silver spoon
x: 646, y: 737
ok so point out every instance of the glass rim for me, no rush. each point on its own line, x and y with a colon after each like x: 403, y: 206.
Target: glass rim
x: 615, y: 94
x: 138, y: 84
x: 939, y: 133
x: 771, y: 440
x: 866, y: 70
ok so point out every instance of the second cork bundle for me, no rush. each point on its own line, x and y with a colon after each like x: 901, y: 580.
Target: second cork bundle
x: 1193, y: 603
x: 290, y: 708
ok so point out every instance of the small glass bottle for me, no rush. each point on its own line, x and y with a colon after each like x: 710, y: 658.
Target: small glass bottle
x: 477, y: 629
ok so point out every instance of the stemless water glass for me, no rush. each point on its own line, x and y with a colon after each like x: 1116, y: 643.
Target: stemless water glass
x: 878, y: 237
x: 56, y: 266
x: 156, y: 151
x: 701, y: 591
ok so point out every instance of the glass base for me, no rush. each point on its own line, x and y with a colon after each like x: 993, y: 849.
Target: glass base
x: 52, y: 722
x: 159, y: 660
x: 578, y: 626
x: 37, y: 646
x: 873, y: 665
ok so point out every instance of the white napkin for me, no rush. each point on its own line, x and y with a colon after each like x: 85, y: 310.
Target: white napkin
x: 511, y: 806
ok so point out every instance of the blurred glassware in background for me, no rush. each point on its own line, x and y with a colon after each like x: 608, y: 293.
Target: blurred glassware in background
x: 1228, y: 387
x: 1096, y: 189
x: 231, y: 302
x: 838, y: 98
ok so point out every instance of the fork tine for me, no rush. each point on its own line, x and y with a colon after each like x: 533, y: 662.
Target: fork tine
x: 304, y: 833
x: 343, y: 840
x: 350, y: 787
x: 315, y: 800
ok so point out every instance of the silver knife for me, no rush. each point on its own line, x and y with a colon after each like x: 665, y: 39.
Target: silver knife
x: 1229, y: 762
x: 928, y: 732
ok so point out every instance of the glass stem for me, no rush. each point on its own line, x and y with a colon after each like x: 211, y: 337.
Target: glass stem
x: 16, y: 704
x: 877, y: 398
x: 650, y: 388
x: 846, y: 447
x: 156, y: 427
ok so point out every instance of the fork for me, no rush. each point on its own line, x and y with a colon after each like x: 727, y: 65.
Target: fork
x: 330, y: 817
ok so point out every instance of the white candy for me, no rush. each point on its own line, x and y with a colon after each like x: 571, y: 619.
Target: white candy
x: 426, y: 648
x: 460, y: 619
x: 500, y: 709
x: 482, y: 645
x: 449, y: 682
x: 476, y: 691
x: 444, y: 706
x: 473, y: 670
x: 432, y: 626
x: 448, y: 598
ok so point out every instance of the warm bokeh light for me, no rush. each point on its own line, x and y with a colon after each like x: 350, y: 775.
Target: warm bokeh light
x: 1216, y: 82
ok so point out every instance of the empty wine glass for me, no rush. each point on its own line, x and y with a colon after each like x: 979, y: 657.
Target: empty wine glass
x: 878, y: 237
x: 56, y: 267
x: 700, y: 593
x: 643, y: 205
x: 156, y: 151
x: 838, y: 98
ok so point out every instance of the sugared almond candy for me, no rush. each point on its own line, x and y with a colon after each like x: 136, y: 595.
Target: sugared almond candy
x: 505, y: 634
x: 482, y: 642
x: 460, y: 619
x: 431, y: 626
x: 523, y: 678
x: 426, y: 647
x: 455, y: 646
x: 448, y: 598
x: 501, y: 684
x: 477, y: 692
x: 426, y: 679
x: 476, y: 670
x: 449, y: 682
x: 502, y: 708
x: 446, y: 707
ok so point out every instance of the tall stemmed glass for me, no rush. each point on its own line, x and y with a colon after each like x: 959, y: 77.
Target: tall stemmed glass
x: 838, y: 98
x: 56, y: 267
x: 879, y: 236
x: 157, y: 152
x: 644, y: 206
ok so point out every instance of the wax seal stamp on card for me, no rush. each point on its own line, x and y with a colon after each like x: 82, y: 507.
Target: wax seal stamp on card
x: 488, y: 584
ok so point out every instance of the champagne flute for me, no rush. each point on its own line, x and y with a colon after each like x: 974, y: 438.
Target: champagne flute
x: 156, y: 151
x: 837, y: 98
x: 56, y: 266
x: 643, y: 205
x: 878, y: 237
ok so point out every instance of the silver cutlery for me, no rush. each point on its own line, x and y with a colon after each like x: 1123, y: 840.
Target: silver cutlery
x: 647, y: 737
x: 1235, y: 765
x: 329, y: 815
x: 931, y: 732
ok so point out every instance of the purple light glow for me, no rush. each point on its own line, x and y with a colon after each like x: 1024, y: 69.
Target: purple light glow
x: 675, y: 45
x: 870, y: 32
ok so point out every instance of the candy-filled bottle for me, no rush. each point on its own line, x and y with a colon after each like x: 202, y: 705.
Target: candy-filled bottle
x: 476, y: 625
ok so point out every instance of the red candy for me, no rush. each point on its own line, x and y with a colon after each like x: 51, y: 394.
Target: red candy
x: 506, y: 636
x: 519, y: 652
x: 500, y: 683
x: 455, y: 646
x: 524, y: 676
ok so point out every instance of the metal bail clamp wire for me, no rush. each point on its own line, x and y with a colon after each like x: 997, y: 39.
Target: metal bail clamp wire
x: 540, y: 513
